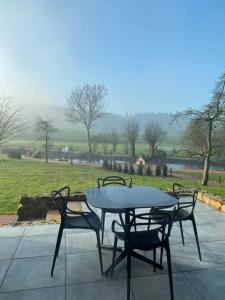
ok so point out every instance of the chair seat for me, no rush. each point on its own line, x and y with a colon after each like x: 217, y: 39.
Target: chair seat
x: 72, y: 221
x: 142, y: 240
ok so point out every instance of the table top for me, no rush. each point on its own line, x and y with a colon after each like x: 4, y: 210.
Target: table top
x: 124, y: 197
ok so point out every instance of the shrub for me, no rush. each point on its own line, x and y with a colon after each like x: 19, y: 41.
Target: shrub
x: 131, y: 170
x: 110, y: 166
x: 148, y: 171
x: 105, y: 164
x: 165, y: 171
x: 14, y: 153
x: 125, y: 168
x: 119, y: 168
x: 140, y: 169
x: 157, y: 170
x: 115, y: 166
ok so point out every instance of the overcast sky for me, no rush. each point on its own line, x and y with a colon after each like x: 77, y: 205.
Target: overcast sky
x: 158, y: 56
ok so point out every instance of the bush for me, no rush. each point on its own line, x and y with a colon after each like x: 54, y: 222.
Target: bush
x: 14, y: 153
x: 110, y: 166
x: 119, y: 168
x: 148, y: 171
x: 115, y: 166
x: 105, y: 164
x: 125, y: 168
x: 165, y: 171
x: 140, y: 169
x: 157, y: 170
x: 131, y: 170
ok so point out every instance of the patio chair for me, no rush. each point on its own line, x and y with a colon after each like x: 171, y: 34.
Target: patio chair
x: 187, y: 197
x: 71, y: 219
x: 111, y: 180
x: 145, y: 238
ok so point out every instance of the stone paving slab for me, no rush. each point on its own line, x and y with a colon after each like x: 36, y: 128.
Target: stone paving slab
x: 31, y: 273
x: 56, y: 293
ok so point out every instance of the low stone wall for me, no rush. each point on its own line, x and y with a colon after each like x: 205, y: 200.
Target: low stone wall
x: 37, y: 207
x: 214, y: 201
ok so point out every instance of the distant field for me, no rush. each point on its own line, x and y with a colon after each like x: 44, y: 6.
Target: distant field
x: 34, y: 177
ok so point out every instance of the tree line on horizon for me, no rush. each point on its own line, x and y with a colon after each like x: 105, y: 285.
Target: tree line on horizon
x: 86, y: 105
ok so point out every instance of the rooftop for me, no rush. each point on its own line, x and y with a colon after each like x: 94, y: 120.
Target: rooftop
x: 26, y: 255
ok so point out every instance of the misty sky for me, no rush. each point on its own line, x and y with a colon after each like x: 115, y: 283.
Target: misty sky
x: 151, y: 55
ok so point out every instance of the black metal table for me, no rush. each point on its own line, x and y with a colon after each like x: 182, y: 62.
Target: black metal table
x: 127, y: 198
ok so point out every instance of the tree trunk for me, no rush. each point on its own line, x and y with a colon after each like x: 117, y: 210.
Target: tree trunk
x: 133, y: 150
x: 89, y: 144
x: 205, y: 176
x: 46, y: 149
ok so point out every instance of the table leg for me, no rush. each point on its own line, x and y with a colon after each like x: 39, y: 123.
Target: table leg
x: 145, y: 259
x: 116, y: 262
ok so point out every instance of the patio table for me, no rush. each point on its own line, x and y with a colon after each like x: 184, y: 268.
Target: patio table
x: 127, y: 198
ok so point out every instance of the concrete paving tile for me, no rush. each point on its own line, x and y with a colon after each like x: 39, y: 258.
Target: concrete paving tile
x: 82, y: 242
x: 11, y: 231
x: 185, y: 258
x: 8, y: 247
x: 41, y: 230
x: 210, y: 217
x: 206, y: 232
x: 31, y: 273
x: 140, y: 268
x: 4, y: 265
x: 157, y: 288
x: 110, y: 290
x: 209, y: 283
x: 56, y: 293
x: 42, y: 245
x: 85, y: 267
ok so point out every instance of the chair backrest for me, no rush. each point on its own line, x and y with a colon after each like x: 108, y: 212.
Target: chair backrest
x: 186, y: 195
x: 160, y: 222
x: 114, y: 180
x: 60, y: 199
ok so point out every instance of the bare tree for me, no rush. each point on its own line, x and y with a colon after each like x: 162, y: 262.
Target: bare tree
x: 86, y: 105
x: 114, y: 139
x: 46, y: 130
x: 153, y: 135
x: 211, y: 115
x: 10, y: 120
x: 131, y: 132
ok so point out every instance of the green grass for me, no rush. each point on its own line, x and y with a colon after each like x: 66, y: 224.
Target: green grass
x: 34, y: 177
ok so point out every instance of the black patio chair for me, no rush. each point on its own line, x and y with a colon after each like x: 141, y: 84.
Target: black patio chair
x: 145, y: 238
x: 111, y: 180
x: 71, y: 219
x: 187, y: 197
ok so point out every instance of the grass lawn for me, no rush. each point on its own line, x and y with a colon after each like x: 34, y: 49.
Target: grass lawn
x: 34, y: 177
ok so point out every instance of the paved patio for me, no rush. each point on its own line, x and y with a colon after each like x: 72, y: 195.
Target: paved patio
x: 26, y: 258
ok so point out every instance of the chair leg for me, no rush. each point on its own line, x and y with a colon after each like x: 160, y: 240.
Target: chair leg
x: 161, y: 255
x: 135, y: 226
x: 182, y: 232
x: 196, y: 237
x: 57, y: 246
x: 103, y: 223
x: 99, y: 251
x: 168, y: 255
x: 128, y: 274
x: 154, y: 259
x: 114, y: 252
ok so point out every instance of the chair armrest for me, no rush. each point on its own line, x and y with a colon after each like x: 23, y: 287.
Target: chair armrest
x: 114, y: 222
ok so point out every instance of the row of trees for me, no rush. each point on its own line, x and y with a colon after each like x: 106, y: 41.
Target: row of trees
x: 86, y: 105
